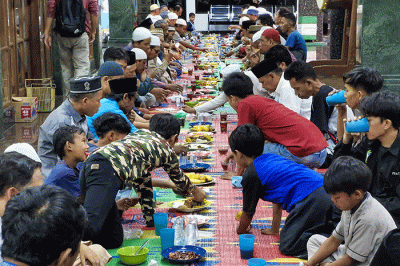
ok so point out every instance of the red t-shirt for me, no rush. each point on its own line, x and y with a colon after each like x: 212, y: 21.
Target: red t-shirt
x: 281, y: 125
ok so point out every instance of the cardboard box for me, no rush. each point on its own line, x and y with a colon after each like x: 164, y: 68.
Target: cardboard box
x: 26, y: 108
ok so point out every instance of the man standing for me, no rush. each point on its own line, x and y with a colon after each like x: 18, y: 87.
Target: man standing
x: 83, y: 100
x: 74, y: 48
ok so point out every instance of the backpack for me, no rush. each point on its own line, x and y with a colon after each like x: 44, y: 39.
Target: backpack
x: 70, y: 18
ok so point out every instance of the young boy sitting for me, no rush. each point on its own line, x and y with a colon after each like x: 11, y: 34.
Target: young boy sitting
x: 358, y: 83
x: 379, y: 149
x: 364, y: 222
x: 289, y: 186
x: 70, y: 145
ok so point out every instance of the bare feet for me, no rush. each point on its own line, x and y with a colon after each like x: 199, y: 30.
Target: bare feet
x: 228, y: 175
x: 268, y: 231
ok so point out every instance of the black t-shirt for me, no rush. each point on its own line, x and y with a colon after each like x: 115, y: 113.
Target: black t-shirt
x: 320, y: 110
x: 252, y: 190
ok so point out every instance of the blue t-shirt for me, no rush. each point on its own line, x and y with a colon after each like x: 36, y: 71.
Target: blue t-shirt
x: 296, y: 42
x: 278, y: 180
x: 107, y: 105
x: 65, y: 177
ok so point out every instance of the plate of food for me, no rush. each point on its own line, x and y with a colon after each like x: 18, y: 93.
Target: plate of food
x: 198, y: 146
x: 202, y: 128
x: 201, y: 154
x: 195, y: 167
x: 199, y: 138
x: 184, y: 254
x: 188, y: 205
x: 200, y: 179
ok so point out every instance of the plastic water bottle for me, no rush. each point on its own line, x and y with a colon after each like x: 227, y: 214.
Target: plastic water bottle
x: 179, y: 232
x: 191, y: 232
x: 178, y: 102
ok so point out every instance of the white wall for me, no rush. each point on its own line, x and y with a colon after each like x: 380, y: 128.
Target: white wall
x: 190, y: 8
x: 201, y: 22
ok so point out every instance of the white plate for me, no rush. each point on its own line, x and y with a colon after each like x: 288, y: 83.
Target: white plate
x: 177, y: 203
x: 193, y: 147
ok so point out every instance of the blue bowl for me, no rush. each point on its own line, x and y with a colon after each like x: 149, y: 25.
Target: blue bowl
x: 199, y: 124
x: 198, y: 250
x: 195, y: 167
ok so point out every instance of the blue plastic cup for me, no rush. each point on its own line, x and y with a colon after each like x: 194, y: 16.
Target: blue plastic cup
x: 337, y: 98
x: 160, y: 221
x: 237, y: 181
x: 167, y: 237
x: 246, y: 243
x: 360, y: 125
x: 257, y: 262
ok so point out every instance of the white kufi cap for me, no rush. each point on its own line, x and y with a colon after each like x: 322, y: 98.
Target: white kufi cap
x: 181, y: 22
x: 24, y: 149
x: 172, y: 15
x: 154, y: 7
x: 139, y: 53
x: 140, y: 34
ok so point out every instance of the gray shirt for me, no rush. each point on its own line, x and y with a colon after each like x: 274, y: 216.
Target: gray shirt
x: 177, y: 37
x: 363, y: 229
x: 64, y: 115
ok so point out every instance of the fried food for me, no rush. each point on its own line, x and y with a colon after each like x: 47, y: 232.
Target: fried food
x: 190, y: 203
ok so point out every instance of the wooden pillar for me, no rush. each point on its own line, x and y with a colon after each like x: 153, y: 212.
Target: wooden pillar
x: 34, y: 40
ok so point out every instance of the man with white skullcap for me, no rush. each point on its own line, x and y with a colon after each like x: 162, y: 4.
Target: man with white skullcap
x: 172, y: 18
x: 180, y: 31
x: 157, y: 68
x: 141, y: 38
x: 154, y: 13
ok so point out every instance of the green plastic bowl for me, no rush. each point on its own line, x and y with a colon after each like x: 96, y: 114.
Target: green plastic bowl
x: 127, y: 257
x: 191, y: 104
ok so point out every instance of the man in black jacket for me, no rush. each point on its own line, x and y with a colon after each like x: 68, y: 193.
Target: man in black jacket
x: 380, y: 148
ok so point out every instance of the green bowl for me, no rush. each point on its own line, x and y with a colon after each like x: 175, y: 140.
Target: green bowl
x: 191, y: 104
x: 127, y: 257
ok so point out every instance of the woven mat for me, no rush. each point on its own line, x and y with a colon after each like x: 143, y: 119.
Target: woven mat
x: 222, y: 242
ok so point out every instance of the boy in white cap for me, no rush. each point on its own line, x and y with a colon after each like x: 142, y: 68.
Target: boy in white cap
x: 180, y: 31
x: 146, y: 90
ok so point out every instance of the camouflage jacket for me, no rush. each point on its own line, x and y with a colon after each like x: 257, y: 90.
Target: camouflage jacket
x: 134, y: 157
